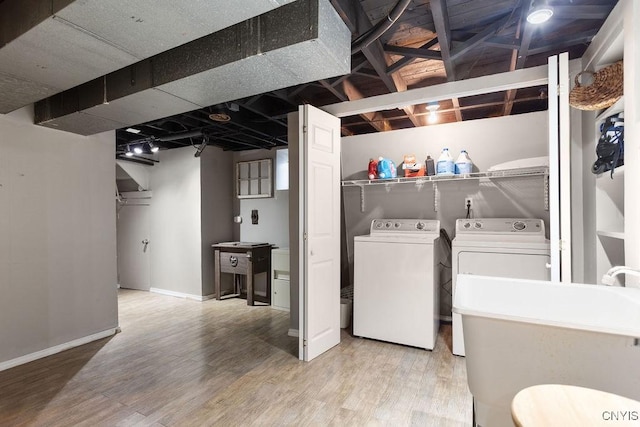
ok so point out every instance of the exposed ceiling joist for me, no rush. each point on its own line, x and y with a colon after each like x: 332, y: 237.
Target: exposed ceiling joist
x: 476, y: 40
x: 414, y: 52
x: 519, y: 56
x: 563, y: 42
x: 581, y: 12
x: 375, y: 119
x: 503, y: 42
x: 443, y: 30
x: 374, y: 51
x: 409, y: 59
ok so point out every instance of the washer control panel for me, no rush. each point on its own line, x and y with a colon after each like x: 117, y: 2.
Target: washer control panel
x: 405, y: 226
x: 500, y: 225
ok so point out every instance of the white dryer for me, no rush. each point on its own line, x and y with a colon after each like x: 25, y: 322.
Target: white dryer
x: 500, y: 247
x: 396, y: 289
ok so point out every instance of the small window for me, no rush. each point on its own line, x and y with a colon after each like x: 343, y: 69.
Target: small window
x: 282, y: 169
x: 254, y: 179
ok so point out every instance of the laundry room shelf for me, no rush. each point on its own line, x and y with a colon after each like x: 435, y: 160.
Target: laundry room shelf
x: 435, y: 179
x: 612, y: 234
x: 504, y: 173
x: 614, y: 109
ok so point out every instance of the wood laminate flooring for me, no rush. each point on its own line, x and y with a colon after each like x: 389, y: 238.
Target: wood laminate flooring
x: 186, y: 363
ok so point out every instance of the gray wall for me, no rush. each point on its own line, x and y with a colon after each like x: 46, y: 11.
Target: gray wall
x: 216, y: 174
x: 294, y: 220
x: 176, y: 248
x: 273, y: 212
x: 57, y: 236
x: 192, y: 209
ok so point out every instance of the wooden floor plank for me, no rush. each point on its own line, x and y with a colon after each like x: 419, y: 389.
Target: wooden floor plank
x: 179, y: 362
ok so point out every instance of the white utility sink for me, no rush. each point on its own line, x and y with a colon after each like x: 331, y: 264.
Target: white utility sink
x: 519, y: 333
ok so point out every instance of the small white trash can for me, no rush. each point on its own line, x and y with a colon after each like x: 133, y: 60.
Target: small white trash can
x: 346, y: 305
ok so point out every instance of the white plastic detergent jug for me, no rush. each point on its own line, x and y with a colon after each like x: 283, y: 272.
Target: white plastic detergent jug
x: 464, y: 163
x: 445, y: 164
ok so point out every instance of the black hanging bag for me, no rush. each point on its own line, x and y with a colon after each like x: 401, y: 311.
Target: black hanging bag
x: 610, y: 148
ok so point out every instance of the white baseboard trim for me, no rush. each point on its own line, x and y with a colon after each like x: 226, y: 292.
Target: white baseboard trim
x: 293, y: 333
x: 181, y: 294
x: 57, y: 349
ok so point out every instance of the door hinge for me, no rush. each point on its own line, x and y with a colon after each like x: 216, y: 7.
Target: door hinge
x: 304, y: 236
x: 304, y: 128
x: 304, y: 343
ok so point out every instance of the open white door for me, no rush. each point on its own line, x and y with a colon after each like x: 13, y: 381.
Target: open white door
x: 320, y: 232
x: 134, y: 269
x: 559, y: 168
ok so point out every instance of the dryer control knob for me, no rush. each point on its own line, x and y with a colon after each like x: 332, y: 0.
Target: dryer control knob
x: 397, y: 225
x: 477, y: 225
x: 519, y: 225
x: 467, y: 225
x: 420, y: 225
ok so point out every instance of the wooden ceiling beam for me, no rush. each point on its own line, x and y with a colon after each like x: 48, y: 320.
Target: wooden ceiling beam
x: 476, y: 40
x: 408, y: 59
x: 375, y: 119
x: 581, y: 12
x: 524, y: 32
x: 443, y: 31
x: 503, y: 42
x: 356, y: 18
x: 414, y: 52
x: 399, y: 64
x: 561, y: 43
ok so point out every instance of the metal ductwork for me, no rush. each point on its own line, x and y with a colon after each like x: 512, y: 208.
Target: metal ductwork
x: 47, y: 46
x: 297, y: 43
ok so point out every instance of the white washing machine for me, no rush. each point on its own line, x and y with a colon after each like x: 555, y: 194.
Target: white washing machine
x: 500, y: 247
x: 396, y: 289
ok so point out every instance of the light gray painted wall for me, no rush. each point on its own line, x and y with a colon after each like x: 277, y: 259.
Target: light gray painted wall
x: 216, y: 173
x: 57, y: 236
x: 273, y: 212
x: 489, y: 142
x: 176, y: 241
x: 294, y: 222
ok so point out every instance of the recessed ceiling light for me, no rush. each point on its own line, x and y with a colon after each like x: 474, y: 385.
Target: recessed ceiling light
x: 539, y: 13
x: 133, y: 130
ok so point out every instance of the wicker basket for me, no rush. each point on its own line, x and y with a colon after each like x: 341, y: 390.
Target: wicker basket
x: 603, y: 92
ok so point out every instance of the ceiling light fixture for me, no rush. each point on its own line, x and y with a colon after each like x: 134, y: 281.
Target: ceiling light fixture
x: 128, y: 152
x: 137, y: 149
x: 433, y: 116
x: 133, y: 130
x: 153, y: 147
x: 539, y: 13
x: 220, y: 117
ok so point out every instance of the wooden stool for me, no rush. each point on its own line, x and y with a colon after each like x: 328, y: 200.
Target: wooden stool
x: 551, y: 405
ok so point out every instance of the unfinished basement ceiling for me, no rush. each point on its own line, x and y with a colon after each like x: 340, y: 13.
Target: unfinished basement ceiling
x: 432, y: 42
